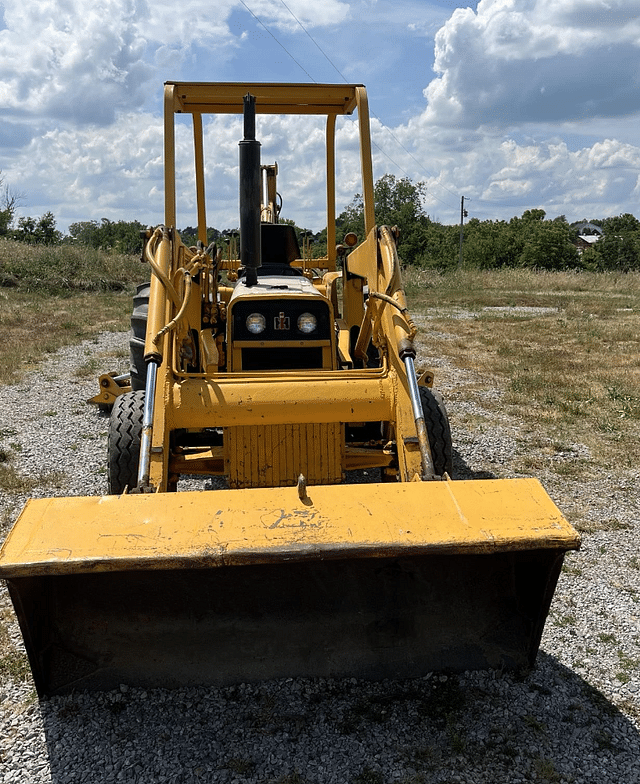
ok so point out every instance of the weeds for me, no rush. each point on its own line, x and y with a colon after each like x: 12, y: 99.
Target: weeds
x: 565, y: 621
x: 535, y: 724
x: 369, y: 776
x: 546, y: 770
x: 60, y: 269
x: 14, y: 665
x: 289, y: 778
x: 11, y: 481
x: 604, y: 741
x: 241, y: 765
x: 608, y: 524
x: 627, y: 663
x: 88, y: 369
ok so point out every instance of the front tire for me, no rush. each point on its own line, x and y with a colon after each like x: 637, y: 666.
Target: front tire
x: 438, y: 430
x: 123, y: 441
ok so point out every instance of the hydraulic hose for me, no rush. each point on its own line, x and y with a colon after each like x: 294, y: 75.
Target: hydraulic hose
x: 185, y: 302
x: 159, y: 273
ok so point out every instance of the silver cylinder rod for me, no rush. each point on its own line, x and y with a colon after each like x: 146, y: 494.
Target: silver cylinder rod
x: 147, y: 425
x: 428, y: 471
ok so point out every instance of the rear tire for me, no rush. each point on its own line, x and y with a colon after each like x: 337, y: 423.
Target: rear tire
x: 123, y: 441
x: 438, y: 430
x: 138, y: 336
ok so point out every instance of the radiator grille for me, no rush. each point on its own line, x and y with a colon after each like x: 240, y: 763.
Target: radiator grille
x: 275, y: 455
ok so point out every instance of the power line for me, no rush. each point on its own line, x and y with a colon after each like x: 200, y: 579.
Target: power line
x: 278, y: 42
x: 326, y: 56
x: 373, y: 114
x: 345, y: 80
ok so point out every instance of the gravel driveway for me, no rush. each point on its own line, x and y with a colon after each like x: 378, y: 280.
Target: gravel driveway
x: 575, y: 718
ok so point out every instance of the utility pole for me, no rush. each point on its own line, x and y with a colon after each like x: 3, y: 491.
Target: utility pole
x: 463, y: 215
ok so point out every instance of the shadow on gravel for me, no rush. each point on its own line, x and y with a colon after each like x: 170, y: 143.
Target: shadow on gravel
x: 462, y: 470
x: 546, y: 726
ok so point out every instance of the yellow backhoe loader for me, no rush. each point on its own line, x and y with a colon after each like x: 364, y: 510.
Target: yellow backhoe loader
x: 280, y: 373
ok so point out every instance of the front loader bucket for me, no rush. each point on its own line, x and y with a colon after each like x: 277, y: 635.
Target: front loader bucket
x: 366, y: 580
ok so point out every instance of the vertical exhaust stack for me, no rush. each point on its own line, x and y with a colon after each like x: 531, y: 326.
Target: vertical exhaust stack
x: 250, y: 194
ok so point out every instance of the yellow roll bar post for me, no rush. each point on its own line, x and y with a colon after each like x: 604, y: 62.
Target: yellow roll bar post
x: 169, y: 156
x: 365, y: 159
x: 199, y: 169
x: 331, y: 189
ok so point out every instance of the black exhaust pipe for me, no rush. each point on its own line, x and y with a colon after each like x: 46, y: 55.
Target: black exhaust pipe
x: 250, y: 194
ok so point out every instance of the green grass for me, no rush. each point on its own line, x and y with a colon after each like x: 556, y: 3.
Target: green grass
x: 57, y: 296
x: 546, y: 770
x: 11, y: 481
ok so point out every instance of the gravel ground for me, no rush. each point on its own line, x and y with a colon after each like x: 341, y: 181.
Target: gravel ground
x: 575, y: 718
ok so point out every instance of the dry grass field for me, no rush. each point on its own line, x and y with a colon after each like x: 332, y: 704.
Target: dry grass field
x: 58, y: 296
x: 563, y: 347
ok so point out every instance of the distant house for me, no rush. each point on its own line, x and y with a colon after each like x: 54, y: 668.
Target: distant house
x: 588, y: 234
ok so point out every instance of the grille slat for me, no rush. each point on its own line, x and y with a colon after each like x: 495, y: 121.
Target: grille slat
x: 274, y: 455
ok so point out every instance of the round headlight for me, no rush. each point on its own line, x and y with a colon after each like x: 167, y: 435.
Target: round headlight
x: 256, y: 323
x: 307, y: 323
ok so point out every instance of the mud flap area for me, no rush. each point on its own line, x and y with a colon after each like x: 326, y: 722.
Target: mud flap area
x: 373, y: 581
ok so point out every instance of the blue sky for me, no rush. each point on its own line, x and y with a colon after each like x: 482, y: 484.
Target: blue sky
x: 515, y: 104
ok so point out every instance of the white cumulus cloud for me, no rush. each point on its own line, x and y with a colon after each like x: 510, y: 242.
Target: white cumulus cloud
x: 81, y: 61
x: 515, y: 61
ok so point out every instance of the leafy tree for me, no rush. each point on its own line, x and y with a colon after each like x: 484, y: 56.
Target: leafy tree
x: 189, y: 235
x: 439, y: 247
x: 6, y: 219
x: 397, y: 202
x: 549, y: 245
x: 38, y: 231
x: 531, y: 216
x: 46, y: 230
x: 351, y: 219
x: 489, y: 244
x: 120, y: 236
x: 619, y: 251
x: 618, y: 248
x: 620, y: 224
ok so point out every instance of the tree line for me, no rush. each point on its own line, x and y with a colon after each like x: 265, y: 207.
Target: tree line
x: 530, y: 240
